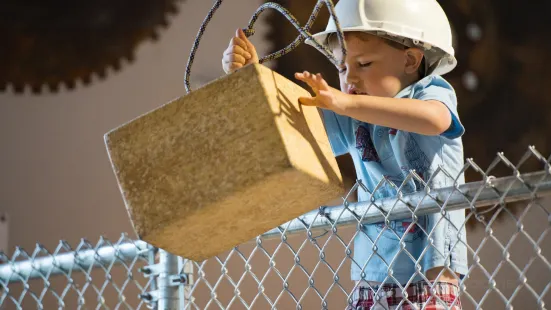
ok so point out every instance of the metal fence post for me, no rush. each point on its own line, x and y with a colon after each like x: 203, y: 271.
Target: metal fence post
x: 166, y: 283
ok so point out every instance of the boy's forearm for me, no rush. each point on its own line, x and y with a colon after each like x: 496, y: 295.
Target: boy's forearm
x: 413, y: 115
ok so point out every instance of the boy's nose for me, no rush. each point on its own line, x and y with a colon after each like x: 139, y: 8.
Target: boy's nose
x: 350, y: 77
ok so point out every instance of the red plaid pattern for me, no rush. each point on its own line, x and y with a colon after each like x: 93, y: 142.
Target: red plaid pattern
x: 443, y: 296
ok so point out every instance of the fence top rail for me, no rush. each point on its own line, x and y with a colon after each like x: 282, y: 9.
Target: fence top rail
x: 81, y: 259
x: 491, y: 191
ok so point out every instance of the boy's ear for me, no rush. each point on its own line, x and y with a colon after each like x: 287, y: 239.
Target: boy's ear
x: 414, y: 57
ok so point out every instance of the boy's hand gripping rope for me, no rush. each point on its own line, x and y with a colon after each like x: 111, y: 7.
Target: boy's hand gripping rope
x: 249, y: 31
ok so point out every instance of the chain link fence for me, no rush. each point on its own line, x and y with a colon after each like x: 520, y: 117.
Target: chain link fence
x: 101, y: 276
x: 305, y: 264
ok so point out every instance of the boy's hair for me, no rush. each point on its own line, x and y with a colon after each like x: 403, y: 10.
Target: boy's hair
x: 332, y: 42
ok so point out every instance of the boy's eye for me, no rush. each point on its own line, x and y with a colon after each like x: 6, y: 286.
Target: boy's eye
x: 365, y: 64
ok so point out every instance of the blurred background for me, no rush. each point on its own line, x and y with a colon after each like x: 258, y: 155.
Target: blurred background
x: 70, y: 72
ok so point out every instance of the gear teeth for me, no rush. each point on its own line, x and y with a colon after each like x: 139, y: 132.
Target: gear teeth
x: 18, y: 89
x: 155, y: 35
x: 173, y: 8
x: 102, y: 74
x: 116, y: 65
x: 36, y: 89
x: 130, y: 58
x: 48, y: 85
x: 86, y: 80
x: 53, y: 87
x: 70, y: 85
x: 164, y: 23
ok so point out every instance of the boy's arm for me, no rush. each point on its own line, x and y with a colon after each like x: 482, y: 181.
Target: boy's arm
x: 430, y: 117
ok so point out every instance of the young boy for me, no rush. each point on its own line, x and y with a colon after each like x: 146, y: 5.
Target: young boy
x: 394, y: 114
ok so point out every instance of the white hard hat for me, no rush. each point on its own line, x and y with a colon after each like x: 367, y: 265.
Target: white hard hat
x: 420, y: 23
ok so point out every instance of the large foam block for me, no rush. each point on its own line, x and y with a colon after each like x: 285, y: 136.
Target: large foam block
x: 223, y: 164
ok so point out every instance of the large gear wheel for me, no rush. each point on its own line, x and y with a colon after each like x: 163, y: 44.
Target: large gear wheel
x: 53, y: 43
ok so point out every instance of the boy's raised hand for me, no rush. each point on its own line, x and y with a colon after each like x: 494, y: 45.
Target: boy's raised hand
x: 240, y: 52
x: 326, y: 97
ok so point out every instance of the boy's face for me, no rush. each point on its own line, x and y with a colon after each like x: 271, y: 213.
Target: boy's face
x: 373, y: 67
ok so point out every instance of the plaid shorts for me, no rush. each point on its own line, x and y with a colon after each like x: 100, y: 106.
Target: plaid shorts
x: 444, y: 296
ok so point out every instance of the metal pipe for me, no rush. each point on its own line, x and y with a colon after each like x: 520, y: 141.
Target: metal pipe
x: 66, y: 262
x: 168, y: 298
x: 470, y: 195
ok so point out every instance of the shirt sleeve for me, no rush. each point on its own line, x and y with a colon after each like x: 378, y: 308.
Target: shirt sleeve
x: 440, y: 90
x: 333, y: 128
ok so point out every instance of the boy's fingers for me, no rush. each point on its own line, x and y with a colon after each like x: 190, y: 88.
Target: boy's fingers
x: 312, y: 85
x: 227, y: 58
x: 307, y: 101
x: 320, y: 82
x: 241, y: 35
x: 315, y: 78
x: 235, y: 58
x: 250, y: 48
x: 239, y: 42
x: 319, y: 78
x: 305, y: 76
x: 301, y: 77
x: 236, y: 49
x: 308, y: 80
x: 235, y: 65
x: 313, y: 81
x: 323, y: 83
x: 231, y: 63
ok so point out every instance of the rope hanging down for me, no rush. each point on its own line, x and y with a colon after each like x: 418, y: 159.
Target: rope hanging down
x: 304, y: 33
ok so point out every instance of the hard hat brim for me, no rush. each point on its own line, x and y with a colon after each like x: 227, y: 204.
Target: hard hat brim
x: 449, y: 63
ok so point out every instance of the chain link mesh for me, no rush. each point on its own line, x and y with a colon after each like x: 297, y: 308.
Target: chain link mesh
x: 305, y: 263
x: 101, y: 276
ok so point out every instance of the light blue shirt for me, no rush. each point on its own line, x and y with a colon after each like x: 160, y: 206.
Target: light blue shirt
x: 386, y: 153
